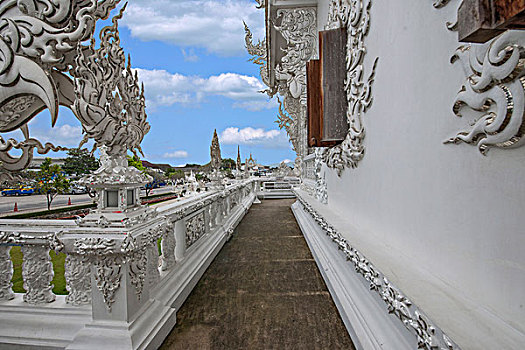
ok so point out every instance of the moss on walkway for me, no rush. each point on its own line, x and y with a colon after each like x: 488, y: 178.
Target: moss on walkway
x: 263, y: 291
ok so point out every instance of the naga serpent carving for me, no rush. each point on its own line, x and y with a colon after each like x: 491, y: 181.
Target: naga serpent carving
x: 494, y: 87
x: 43, y: 64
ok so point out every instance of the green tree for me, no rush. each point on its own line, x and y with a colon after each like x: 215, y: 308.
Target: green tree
x: 228, y: 163
x: 174, y: 174
x: 157, y: 177
x: 51, y: 181
x: 79, y: 162
x: 135, y: 161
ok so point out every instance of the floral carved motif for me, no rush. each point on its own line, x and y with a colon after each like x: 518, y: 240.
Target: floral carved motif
x: 95, y: 245
x: 429, y: 337
x: 195, y: 228
x: 107, y: 276
x: 298, y: 26
x: 6, y: 274
x: 321, y: 190
x: 37, y: 272
x: 137, y: 270
x: 168, y: 248
x: 354, y: 15
x: 78, y: 279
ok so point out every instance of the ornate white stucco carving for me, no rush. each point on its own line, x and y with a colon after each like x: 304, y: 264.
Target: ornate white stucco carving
x: 429, y: 336
x: 495, y: 88
x: 321, y: 190
x: 259, y: 56
x: 168, y: 247
x: 108, y: 273
x: 115, y: 170
x: 195, y: 228
x: 137, y: 270
x: 6, y: 274
x: 354, y: 15
x: 38, y: 41
x: 78, y: 279
x: 298, y: 26
x: 109, y: 100
x: 37, y: 271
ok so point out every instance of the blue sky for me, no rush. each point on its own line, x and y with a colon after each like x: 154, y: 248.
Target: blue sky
x: 190, y: 55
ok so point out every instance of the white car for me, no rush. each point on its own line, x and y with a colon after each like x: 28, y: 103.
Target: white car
x: 78, y: 190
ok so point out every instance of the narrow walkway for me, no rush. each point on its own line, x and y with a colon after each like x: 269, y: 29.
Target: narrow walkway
x: 263, y: 291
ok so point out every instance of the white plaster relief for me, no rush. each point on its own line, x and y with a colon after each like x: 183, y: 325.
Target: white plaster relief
x: 195, y: 228
x: 108, y: 275
x: 38, y: 40
x: 321, y: 189
x: 495, y: 89
x: 355, y: 17
x: 78, y: 279
x: 429, y: 336
x: 37, y: 271
x: 298, y: 26
x: 6, y: 274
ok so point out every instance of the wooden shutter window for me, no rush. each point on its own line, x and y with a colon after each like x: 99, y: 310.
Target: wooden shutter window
x: 326, y: 95
x: 333, y: 59
x: 314, y: 102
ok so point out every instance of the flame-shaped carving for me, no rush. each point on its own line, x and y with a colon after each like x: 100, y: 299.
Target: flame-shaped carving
x: 259, y: 57
x: 109, y: 101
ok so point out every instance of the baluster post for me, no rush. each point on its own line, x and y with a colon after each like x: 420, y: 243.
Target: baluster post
x: 6, y: 273
x: 152, y: 267
x: 168, y: 246
x: 208, y: 217
x: 180, y: 238
x: 37, y: 271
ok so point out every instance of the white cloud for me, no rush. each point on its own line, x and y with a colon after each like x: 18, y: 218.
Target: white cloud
x: 163, y: 88
x: 176, y: 154
x: 254, y: 106
x: 65, y: 135
x: 286, y: 161
x: 250, y: 136
x: 215, y: 25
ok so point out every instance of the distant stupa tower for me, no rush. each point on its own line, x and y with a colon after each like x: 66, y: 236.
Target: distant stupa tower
x: 238, y: 163
x: 215, y: 152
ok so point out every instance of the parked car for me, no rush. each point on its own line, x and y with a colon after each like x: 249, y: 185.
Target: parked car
x: 78, y: 190
x: 10, y: 192
x: 26, y: 191
x: 22, y: 191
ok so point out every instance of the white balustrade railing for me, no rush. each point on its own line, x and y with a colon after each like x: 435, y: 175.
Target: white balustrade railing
x: 308, y: 178
x: 116, y: 273
x: 308, y: 170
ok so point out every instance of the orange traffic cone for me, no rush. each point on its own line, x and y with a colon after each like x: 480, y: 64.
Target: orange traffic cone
x: 69, y: 201
x: 16, y: 207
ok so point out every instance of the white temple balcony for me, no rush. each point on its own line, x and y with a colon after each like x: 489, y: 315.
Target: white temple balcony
x: 122, y: 293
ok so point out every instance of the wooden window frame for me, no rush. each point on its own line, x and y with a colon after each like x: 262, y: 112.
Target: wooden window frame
x: 322, y: 88
x: 482, y: 20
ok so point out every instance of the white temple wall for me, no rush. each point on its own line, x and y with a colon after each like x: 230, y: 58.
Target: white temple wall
x: 443, y: 208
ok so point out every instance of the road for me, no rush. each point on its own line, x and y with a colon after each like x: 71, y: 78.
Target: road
x: 38, y: 201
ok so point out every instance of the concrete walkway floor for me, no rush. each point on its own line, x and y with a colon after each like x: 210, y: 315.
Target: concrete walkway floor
x: 263, y: 291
